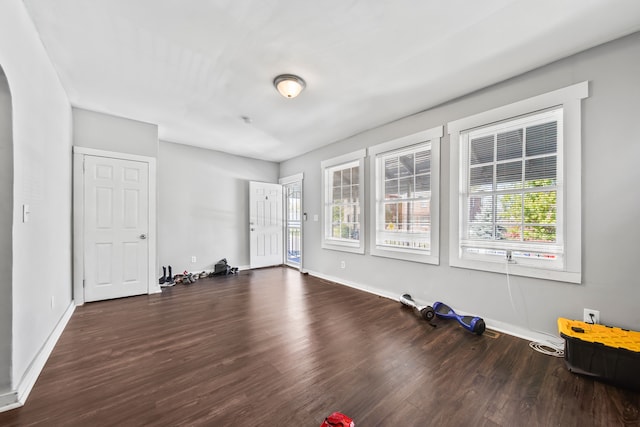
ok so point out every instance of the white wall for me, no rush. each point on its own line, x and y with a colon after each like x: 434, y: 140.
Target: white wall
x: 610, y: 205
x: 101, y: 131
x: 203, y: 206
x: 6, y: 224
x: 42, y: 179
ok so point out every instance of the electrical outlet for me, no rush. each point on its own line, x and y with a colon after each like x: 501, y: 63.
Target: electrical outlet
x: 343, y: 264
x: 591, y: 316
x: 194, y: 259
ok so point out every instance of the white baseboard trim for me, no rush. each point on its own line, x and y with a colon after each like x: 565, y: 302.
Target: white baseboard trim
x: 353, y: 285
x: 9, y: 401
x: 18, y: 397
x: 496, y: 325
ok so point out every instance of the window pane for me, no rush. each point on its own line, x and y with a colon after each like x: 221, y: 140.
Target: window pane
x: 481, y: 209
x: 352, y: 231
x: 480, y: 232
x: 509, y: 175
x: 509, y: 208
x: 346, y: 194
x: 509, y: 145
x: 337, y: 178
x: 391, y: 189
x: 421, y: 213
x: 412, y: 214
x: 390, y: 216
x: 423, y: 161
x: 355, y: 177
x: 421, y: 227
x: 337, y: 194
x: 501, y: 232
x: 423, y: 185
x: 356, y: 210
x: 336, y: 214
x: 391, y: 167
x: 355, y: 195
x: 481, y: 179
x: 542, y: 234
x: 406, y: 187
x: 406, y: 165
x: 346, y: 177
x: 349, y: 214
x: 542, y: 139
x: 510, y: 232
x: 540, y: 208
x: 481, y: 150
x: 540, y: 172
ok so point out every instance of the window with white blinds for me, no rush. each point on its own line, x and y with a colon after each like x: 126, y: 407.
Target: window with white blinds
x: 405, y: 176
x: 511, y: 192
x: 515, y: 189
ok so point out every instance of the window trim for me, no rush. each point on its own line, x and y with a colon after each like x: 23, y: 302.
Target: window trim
x: 334, y: 244
x: 569, y: 98
x: 432, y: 136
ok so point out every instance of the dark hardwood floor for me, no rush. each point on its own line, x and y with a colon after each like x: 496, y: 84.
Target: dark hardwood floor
x: 272, y: 347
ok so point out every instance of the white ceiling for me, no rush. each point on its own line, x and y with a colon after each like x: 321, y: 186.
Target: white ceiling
x: 195, y: 67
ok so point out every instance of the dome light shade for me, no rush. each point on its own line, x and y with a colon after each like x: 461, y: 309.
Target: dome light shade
x: 289, y: 85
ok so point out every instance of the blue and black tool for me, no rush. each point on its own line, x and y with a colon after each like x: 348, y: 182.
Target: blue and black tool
x: 470, y: 323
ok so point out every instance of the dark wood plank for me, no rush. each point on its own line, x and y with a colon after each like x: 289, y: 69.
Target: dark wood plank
x: 273, y: 347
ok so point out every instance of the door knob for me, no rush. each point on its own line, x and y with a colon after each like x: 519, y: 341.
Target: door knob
x: 143, y: 236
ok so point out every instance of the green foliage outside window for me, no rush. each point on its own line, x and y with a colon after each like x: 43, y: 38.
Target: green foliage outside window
x: 538, y: 213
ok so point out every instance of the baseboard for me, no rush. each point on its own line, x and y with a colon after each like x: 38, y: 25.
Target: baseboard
x: 505, y: 328
x: 17, y: 398
x: 9, y: 401
x: 353, y: 285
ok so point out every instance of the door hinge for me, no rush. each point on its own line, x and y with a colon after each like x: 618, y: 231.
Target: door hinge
x: 83, y: 283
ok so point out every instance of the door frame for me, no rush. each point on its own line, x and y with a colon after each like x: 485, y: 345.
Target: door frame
x: 284, y: 181
x: 79, y: 154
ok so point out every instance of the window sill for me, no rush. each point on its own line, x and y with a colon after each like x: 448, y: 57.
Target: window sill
x: 357, y: 248
x: 514, y: 269
x: 406, y: 255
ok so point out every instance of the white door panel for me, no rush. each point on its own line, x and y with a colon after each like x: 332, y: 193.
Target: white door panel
x: 265, y: 228
x: 116, y: 214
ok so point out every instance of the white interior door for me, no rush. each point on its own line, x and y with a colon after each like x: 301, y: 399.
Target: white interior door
x: 116, y: 225
x: 265, y: 224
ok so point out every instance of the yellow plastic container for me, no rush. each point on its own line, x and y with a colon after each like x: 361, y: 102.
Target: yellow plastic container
x: 607, y: 353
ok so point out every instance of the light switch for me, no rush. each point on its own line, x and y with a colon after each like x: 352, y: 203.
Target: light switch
x: 315, y: 217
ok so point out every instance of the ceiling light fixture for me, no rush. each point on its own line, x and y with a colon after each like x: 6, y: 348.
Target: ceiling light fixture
x: 289, y: 85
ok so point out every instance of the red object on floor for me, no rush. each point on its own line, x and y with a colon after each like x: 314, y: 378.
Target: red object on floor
x: 337, y: 420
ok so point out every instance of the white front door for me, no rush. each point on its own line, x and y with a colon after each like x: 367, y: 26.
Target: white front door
x: 116, y: 227
x: 265, y: 224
